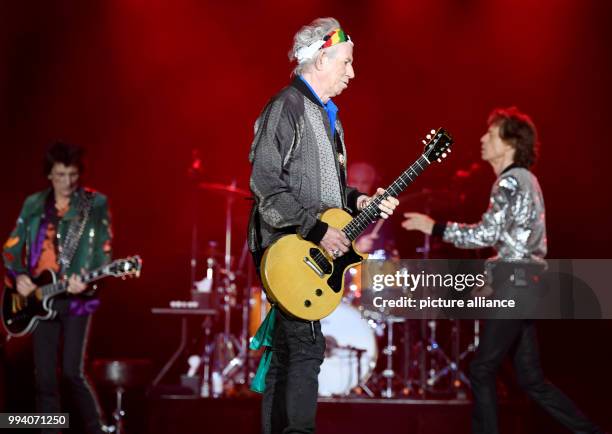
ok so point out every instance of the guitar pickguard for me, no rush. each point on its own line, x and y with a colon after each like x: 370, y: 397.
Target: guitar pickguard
x: 319, y: 258
x: 340, y: 265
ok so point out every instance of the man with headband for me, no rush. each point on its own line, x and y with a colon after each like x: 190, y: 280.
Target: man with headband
x: 298, y: 162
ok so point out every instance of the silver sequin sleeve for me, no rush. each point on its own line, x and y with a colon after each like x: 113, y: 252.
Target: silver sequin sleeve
x: 514, y: 223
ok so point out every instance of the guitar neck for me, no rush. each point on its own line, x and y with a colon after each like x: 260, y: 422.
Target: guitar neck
x: 53, y: 289
x: 371, y: 212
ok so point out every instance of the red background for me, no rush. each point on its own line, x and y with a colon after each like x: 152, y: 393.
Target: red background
x: 142, y: 83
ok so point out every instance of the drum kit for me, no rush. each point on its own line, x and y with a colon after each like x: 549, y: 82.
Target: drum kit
x: 395, y: 357
x: 369, y: 353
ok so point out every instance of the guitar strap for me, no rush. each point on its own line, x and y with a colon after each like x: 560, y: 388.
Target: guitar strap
x: 68, y: 246
x: 258, y: 254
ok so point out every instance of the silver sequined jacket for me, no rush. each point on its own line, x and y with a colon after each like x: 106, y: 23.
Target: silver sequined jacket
x: 514, y: 224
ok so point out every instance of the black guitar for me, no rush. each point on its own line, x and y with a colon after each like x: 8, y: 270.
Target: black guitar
x: 20, y: 315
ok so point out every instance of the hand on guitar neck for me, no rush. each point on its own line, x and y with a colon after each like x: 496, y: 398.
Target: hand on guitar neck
x: 386, y: 207
x: 25, y: 286
x: 76, y: 284
x: 335, y: 241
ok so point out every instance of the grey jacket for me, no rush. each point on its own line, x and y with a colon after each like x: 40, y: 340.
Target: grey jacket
x: 514, y: 224
x: 298, y: 169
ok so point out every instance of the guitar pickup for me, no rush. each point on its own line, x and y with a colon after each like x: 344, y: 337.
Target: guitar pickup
x: 321, y: 261
x: 17, y: 303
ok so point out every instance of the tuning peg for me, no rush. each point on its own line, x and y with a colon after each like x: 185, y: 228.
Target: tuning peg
x: 444, y: 155
x: 428, y: 136
x: 433, y: 131
x: 439, y: 160
x: 448, y: 150
x: 424, y: 142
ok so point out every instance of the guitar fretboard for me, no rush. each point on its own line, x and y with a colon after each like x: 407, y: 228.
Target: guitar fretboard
x: 52, y: 289
x: 372, y: 212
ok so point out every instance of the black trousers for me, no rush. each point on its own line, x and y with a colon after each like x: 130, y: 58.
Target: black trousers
x: 47, y: 343
x: 289, y: 403
x: 516, y: 338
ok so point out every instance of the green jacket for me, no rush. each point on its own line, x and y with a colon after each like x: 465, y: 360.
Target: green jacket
x: 22, y: 250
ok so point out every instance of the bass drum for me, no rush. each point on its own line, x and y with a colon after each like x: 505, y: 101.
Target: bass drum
x: 346, y: 331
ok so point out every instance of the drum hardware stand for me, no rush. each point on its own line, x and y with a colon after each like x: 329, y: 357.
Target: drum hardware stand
x: 220, y: 361
x: 452, y: 366
x: 428, y: 344
x: 434, y: 350
x: 230, y: 352
x: 458, y: 377
x: 471, y: 348
x: 389, y: 373
x: 224, y: 354
x: 206, y: 286
x: 118, y: 426
x: 229, y: 342
x: 205, y: 389
x: 385, y: 380
x: 240, y: 360
x: 360, y: 384
x: 409, y: 385
x: 430, y: 348
x: 194, y: 172
x: 228, y: 346
x: 246, y: 310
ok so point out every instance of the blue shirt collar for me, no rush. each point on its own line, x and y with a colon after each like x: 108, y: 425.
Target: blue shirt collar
x: 312, y: 90
x: 330, y: 107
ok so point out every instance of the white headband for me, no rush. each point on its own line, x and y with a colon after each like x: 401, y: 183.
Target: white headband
x: 307, y: 53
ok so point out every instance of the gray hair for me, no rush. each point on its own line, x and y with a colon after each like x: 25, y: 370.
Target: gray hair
x: 309, y: 34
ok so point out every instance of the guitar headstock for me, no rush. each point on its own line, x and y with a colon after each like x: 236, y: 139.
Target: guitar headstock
x: 437, y: 145
x: 125, y: 267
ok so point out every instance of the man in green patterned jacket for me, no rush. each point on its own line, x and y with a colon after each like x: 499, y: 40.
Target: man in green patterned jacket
x: 39, y: 242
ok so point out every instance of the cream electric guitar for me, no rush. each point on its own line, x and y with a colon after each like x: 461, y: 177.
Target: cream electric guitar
x: 302, y: 278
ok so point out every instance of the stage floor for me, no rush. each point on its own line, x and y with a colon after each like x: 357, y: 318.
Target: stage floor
x: 190, y: 415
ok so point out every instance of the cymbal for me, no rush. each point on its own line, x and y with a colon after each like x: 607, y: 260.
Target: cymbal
x: 223, y: 188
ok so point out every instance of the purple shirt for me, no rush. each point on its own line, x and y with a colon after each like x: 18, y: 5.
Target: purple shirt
x: 79, y: 306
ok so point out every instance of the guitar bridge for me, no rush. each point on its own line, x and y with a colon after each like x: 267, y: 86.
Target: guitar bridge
x: 314, y: 268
